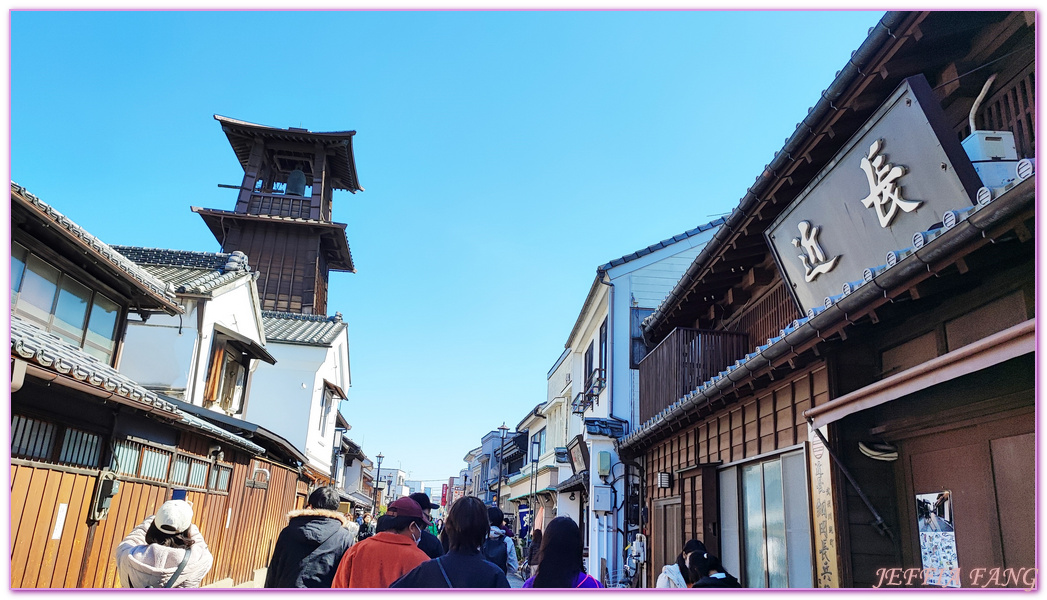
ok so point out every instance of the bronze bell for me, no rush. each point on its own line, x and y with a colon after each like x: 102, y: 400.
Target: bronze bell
x: 296, y: 183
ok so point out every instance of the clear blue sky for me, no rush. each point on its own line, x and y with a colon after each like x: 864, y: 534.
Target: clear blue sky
x: 505, y: 156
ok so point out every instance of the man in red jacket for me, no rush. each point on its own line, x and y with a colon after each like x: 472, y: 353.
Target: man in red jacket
x: 384, y: 557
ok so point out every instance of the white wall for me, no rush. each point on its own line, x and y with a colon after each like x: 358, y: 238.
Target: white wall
x: 159, y: 353
x: 282, y: 394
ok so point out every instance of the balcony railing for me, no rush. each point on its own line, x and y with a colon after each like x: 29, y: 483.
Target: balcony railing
x: 594, y: 384
x: 681, y: 362
x: 285, y: 205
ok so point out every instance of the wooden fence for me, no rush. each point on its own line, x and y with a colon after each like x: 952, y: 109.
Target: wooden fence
x: 55, y: 545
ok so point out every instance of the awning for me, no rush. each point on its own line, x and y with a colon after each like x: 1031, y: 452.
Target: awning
x: 245, y: 344
x: 528, y: 493
x: 577, y: 483
x: 338, y: 393
x: 995, y: 349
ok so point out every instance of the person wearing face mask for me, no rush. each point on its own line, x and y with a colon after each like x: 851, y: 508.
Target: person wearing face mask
x: 430, y: 544
x: 381, y: 559
x: 463, y: 566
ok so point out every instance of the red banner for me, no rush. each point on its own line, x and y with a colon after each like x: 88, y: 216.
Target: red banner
x: 443, y: 496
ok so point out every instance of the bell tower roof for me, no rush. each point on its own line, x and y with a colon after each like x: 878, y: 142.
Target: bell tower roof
x: 338, y: 144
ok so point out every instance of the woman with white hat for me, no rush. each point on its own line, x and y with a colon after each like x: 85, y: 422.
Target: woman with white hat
x: 165, y: 550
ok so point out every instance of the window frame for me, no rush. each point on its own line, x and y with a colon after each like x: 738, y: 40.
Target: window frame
x: 67, y: 272
x: 217, y: 380
x: 732, y: 517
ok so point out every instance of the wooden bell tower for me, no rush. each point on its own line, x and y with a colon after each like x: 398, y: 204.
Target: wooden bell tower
x: 282, y: 218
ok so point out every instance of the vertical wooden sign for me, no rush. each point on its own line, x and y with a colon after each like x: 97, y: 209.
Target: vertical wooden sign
x: 826, y: 559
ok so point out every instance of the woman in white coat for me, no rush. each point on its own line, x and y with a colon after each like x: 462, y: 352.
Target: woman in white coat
x: 676, y: 575
x: 165, y: 550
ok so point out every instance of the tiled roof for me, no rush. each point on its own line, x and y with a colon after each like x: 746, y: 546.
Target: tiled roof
x: 46, y: 350
x: 958, y: 229
x: 149, y: 283
x: 310, y: 330
x: 575, y: 483
x: 608, y: 427
x: 663, y: 244
x: 188, y: 271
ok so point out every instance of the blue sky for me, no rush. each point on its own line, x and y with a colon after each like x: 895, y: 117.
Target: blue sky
x: 505, y: 155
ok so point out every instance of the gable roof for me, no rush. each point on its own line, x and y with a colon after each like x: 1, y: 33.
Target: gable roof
x: 151, y: 292
x: 628, y: 258
x: 190, y: 272
x: 662, y: 244
x: 306, y: 330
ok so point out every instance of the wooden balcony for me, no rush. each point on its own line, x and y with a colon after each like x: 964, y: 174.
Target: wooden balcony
x: 685, y: 359
x: 299, y: 207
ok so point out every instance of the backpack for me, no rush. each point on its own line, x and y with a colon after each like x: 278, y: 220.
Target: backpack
x: 494, y: 551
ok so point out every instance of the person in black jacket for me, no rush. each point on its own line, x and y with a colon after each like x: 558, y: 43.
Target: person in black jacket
x: 463, y: 566
x: 706, y: 571
x: 430, y: 544
x: 309, y: 548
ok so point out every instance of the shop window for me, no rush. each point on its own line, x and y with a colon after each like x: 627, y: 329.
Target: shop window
x: 766, y: 524
x: 226, y: 376
x: 62, y: 305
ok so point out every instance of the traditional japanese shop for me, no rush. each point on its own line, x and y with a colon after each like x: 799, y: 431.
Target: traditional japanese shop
x: 880, y: 273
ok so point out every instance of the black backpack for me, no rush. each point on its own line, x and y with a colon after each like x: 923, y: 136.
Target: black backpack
x: 494, y: 550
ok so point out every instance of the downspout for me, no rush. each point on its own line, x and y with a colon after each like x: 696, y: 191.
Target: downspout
x: 618, y: 514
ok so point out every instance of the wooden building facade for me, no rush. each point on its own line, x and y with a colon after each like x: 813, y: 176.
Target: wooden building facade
x: 882, y: 415
x: 93, y: 453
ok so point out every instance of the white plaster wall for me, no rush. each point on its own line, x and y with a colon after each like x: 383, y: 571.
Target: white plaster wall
x: 335, y: 368
x: 282, y: 394
x: 159, y: 353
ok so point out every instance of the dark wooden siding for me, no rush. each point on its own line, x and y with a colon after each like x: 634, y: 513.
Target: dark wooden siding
x: 287, y: 259
x: 770, y: 419
x: 765, y: 317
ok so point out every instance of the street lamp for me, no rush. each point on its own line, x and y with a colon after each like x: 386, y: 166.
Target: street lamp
x: 501, y: 453
x: 377, y: 478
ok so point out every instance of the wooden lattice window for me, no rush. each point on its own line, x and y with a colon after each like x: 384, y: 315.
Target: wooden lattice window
x: 31, y: 438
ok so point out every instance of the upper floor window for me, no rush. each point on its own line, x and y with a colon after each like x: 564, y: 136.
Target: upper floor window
x: 603, y: 345
x: 637, y: 347
x: 325, y: 410
x: 62, y: 305
x: 225, y: 378
x: 588, y: 361
x: 538, y: 443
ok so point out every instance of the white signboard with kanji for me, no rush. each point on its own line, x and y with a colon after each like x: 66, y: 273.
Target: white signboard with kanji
x: 896, y: 176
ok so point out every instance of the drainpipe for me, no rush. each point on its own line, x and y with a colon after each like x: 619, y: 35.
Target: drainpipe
x: 617, y: 515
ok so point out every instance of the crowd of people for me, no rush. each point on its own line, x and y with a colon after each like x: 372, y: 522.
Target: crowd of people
x: 323, y: 548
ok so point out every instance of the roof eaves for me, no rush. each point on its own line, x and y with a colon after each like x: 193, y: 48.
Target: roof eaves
x: 879, y: 35
x: 840, y: 311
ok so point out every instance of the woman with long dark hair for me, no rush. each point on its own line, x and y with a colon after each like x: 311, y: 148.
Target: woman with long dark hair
x: 560, y: 562
x: 677, y: 575
x: 532, y: 557
x: 462, y: 566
